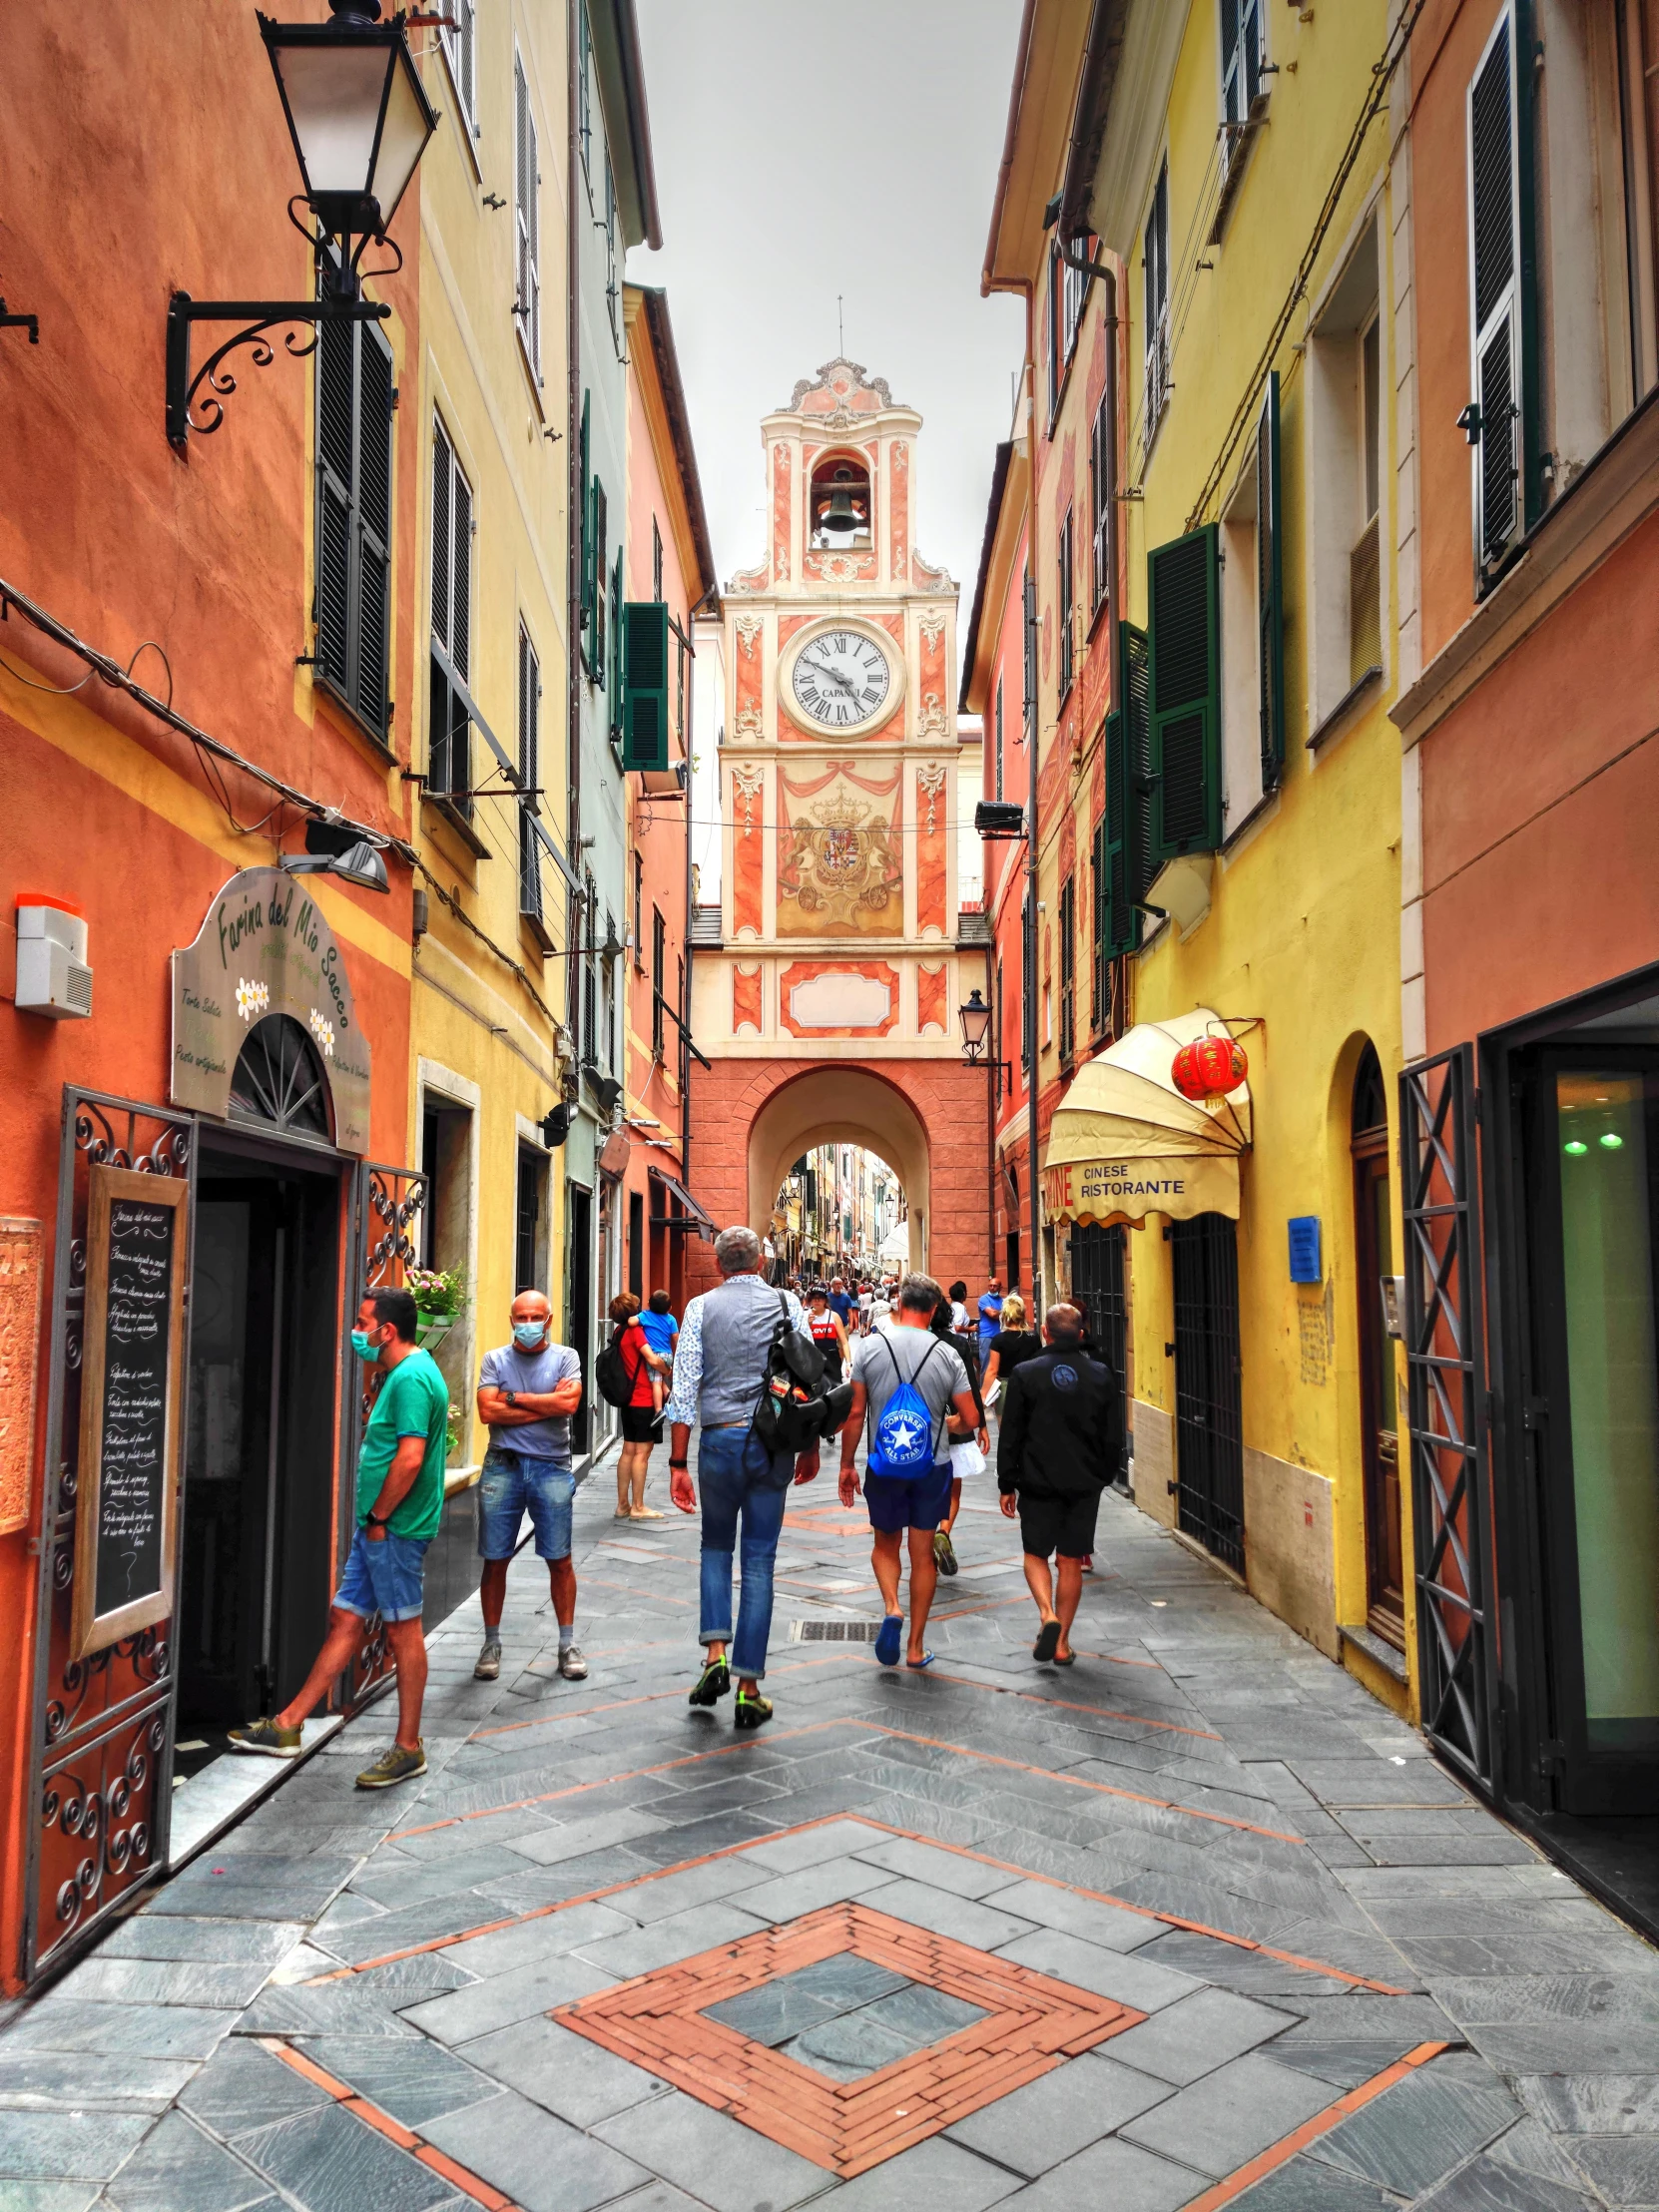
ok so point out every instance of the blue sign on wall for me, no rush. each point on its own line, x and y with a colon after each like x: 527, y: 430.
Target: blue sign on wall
x: 1305, y: 1249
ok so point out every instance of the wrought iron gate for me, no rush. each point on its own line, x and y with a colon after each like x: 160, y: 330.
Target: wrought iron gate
x: 101, y: 1740
x: 1097, y: 1286
x: 386, y: 1202
x: 1209, y: 1426
x: 1447, y: 1395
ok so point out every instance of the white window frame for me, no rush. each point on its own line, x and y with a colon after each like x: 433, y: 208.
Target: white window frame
x: 458, y: 39
x: 526, y: 221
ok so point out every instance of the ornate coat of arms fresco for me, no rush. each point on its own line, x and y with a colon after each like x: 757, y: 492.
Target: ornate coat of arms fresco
x: 838, y: 875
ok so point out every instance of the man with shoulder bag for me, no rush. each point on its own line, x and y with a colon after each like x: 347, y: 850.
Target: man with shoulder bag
x: 747, y: 1371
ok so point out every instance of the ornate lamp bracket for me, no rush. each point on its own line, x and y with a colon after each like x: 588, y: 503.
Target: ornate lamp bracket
x: 29, y: 322
x: 259, y: 317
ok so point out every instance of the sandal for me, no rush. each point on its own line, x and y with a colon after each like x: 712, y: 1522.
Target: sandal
x: 1065, y: 1658
x: 917, y: 1666
x: 1047, y: 1643
x: 886, y: 1643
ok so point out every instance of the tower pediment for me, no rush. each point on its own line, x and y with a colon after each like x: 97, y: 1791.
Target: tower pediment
x: 842, y: 395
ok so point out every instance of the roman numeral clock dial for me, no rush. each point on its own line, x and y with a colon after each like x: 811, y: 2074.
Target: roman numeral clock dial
x: 841, y: 679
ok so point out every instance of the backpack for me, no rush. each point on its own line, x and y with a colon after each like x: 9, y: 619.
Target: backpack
x: 794, y: 1411
x: 610, y: 1371
x: 902, y: 1442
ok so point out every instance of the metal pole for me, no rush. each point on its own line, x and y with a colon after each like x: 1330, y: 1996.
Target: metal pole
x: 1029, y: 947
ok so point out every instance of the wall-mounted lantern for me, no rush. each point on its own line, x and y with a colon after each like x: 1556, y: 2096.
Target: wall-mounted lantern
x: 359, y: 120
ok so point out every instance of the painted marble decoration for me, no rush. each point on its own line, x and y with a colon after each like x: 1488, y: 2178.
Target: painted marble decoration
x: 746, y: 1001
x: 820, y: 998
x: 932, y: 1001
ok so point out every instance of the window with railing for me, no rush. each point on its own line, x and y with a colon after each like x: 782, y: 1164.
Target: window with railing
x: 1101, y: 458
x: 659, y: 964
x: 1065, y: 610
x: 1068, y: 971
x: 526, y: 223
x: 449, y: 740
x: 529, y: 775
x: 1155, y: 268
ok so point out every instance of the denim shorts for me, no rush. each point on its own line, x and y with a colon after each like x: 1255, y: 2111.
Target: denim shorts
x: 514, y: 1484
x: 384, y: 1577
x: 909, y: 1501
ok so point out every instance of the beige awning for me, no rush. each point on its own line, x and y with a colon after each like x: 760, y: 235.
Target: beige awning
x: 1124, y: 1143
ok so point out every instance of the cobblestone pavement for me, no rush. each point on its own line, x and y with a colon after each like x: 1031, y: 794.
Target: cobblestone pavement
x: 1194, y: 1921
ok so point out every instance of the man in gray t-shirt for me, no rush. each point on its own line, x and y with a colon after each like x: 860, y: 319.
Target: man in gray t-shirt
x: 906, y: 1352
x: 527, y: 1392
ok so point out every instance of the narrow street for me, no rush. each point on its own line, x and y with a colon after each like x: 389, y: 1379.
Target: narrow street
x: 1196, y: 1923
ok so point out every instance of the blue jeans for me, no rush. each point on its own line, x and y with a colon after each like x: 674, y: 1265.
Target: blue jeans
x: 739, y: 1476
x: 514, y: 1484
x: 383, y: 1577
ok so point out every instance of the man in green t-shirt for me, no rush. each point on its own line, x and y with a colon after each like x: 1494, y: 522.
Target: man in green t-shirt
x: 399, y: 1506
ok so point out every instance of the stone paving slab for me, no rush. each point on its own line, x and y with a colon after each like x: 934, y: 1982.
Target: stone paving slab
x: 1360, y: 1989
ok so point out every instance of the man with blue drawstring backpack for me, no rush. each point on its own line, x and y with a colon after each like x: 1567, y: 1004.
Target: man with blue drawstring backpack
x: 908, y: 1381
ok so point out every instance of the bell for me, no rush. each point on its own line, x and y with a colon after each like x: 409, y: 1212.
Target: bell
x: 840, y: 513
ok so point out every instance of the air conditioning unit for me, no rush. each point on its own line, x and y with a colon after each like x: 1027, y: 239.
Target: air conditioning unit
x: 53, y: 977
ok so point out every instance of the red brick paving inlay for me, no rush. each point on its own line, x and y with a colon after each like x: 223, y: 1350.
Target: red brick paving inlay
x: 1031, y: 2023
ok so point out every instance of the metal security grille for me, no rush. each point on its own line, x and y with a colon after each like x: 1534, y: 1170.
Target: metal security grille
x: 1208, y: 1423
x: 1445, y: 1368
x: 1097, y: 1286
x: 834, y: 1633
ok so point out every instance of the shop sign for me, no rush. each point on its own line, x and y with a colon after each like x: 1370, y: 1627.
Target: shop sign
x: 266, y: 948
x: 1179, y: 1186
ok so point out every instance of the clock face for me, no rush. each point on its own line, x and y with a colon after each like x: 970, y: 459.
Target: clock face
x: 840, y: 678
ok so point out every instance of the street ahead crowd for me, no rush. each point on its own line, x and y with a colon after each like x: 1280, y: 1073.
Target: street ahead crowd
x: 767, y: 1382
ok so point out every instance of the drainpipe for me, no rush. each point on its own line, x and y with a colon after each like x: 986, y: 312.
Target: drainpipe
x: 1030, y: 961
x: 576, y: 492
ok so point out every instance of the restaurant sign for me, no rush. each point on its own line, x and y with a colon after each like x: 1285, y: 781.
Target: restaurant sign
x: 1179, y: 1186
x: 267, y: 949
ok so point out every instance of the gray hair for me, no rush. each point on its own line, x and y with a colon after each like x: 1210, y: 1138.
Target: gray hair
x: 736, y: 1251
x: 920, y: 1293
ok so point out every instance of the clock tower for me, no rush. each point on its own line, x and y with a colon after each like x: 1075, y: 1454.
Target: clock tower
x: 827, y: 995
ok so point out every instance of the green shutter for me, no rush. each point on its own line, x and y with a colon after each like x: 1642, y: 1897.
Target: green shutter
x: 1184, y: 630
x: 613, y: 683
x: 589, y: 563
x: 1121, y: 917
x: 1137, y: 738
x: 644, y: 684
x: 1270, y: 588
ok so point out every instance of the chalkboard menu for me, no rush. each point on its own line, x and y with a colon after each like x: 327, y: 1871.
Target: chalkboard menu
x: 127, y: 1493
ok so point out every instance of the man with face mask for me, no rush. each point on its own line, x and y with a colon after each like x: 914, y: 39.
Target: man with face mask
x: 527, y: 1392
x: 399, y: 1506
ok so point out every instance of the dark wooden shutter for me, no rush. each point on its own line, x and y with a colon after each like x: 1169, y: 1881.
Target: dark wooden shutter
x: 1134, y: 662
x: 1183, y: 629
x: 1099, y: 916
x: 1270, y: 588
x: 529, y: 772
x: 597, y: 639
x: 644, y: 684
x: 353, y: 524
x: 337, y: 410
x: 374, y: 534
x: 1100, y: 485
x: 1120, y: 917
x: 1495, y: 269
x: 614, y: 685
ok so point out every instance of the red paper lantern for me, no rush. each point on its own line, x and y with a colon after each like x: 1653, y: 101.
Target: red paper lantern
x: 1209, y: 1067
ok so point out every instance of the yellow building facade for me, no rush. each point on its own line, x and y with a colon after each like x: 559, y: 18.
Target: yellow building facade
x: 489, y: 1056
x: 1230, y: 165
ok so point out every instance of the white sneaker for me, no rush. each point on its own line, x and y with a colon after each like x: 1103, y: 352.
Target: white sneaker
x: 489, y: 1662
x: 572, y: 1665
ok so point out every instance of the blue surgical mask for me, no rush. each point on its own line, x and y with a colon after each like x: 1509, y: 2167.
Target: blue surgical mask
x: 362, y: 1345
x: 528, y: 1333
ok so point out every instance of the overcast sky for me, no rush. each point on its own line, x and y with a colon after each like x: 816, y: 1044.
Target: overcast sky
x: 803, y: 153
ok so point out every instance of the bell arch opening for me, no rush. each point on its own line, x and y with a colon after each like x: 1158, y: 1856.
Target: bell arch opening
x: 839, y: 1106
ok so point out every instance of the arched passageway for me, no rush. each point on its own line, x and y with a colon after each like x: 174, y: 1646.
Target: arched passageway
x: 753, y: 1119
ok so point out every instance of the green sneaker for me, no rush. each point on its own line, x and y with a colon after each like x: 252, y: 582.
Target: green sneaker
x: 944, y: 1555
x: 266, y: 1737
x: 711, y: 1684
x: 394, y: 1765
x: 751, y: 1710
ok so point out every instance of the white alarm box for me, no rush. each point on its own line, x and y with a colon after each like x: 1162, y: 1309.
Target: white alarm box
x: 53, y: 977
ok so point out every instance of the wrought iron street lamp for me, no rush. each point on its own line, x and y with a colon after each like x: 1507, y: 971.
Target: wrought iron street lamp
x: 359, y: 120
x: 975, y: 1018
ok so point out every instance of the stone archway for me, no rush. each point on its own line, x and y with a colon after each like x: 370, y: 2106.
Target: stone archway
x: 751, y: 1118
x: 840, y: 1105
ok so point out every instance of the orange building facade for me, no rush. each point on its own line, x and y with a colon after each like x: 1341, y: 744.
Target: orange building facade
x: 1531, y: 919
x: 670, y: 565
x: 829, y: 1006
x: 204, y: 1055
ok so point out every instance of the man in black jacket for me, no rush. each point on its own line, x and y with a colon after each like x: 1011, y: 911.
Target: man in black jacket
x: 1061, y: 1443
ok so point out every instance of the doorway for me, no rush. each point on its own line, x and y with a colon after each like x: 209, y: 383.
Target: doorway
x: 579, y: 1303
x: 1097, y: 1266
x: 259, y: 1509
x: 1379, y: 1411
x: 1593, y: 1199
x: 1209, y: 1430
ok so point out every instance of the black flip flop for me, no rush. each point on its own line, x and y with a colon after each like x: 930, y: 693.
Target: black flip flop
x: 1047, y: 1643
